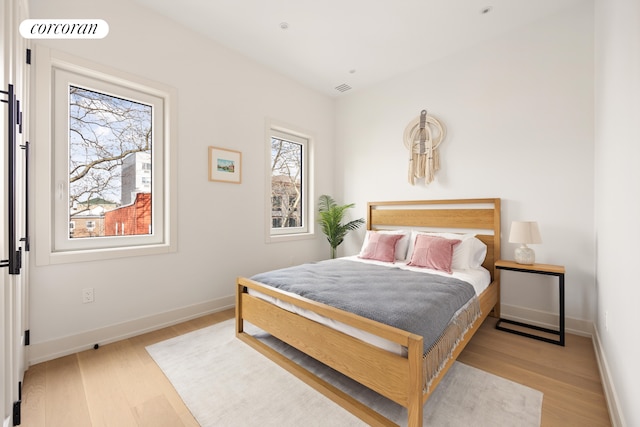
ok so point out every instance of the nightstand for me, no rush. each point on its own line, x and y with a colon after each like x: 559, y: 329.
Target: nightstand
x: 546, y: 269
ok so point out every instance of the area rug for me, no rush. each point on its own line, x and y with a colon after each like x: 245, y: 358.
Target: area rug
x: 224, y: 382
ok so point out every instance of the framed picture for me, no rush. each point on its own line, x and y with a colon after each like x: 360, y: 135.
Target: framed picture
x: 225, y: 165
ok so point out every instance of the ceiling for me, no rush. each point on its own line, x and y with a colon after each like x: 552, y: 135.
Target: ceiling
x: 325, y: 44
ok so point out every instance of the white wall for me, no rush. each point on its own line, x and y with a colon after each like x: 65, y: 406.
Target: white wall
x: 224, y: 100
x: 617, y: 144
x: 519, y: 113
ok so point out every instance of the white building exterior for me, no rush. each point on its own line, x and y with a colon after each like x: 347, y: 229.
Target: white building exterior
x: 136, y: 176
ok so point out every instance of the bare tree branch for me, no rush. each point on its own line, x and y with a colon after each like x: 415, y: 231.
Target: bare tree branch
x: 103, y: 131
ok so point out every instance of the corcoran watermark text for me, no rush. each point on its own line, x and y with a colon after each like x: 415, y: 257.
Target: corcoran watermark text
x: 64, y: 28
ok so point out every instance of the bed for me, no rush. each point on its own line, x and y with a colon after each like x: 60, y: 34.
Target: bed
x: 400, y: 376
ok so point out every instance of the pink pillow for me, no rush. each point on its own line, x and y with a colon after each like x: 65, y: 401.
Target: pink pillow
x: 433, y: 252
x: 381, y: 247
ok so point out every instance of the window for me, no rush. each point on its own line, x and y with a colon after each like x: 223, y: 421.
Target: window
x: 110, y: 162
x: 110, y: 142
x: 288, y: 184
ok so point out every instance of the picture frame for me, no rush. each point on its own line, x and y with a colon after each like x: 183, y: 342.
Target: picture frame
x: 225, y: 165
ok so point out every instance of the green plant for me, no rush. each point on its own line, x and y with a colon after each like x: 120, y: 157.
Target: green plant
x: 331, y: 216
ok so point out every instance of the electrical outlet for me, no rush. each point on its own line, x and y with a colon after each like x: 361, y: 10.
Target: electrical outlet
x: 87, y: 295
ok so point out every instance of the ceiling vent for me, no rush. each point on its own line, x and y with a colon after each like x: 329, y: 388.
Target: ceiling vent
x: 343, y: 87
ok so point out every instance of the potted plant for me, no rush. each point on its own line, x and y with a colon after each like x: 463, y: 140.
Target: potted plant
x: 331, y: 216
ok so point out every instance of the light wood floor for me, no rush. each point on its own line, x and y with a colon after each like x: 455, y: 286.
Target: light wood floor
x: 120, y: 385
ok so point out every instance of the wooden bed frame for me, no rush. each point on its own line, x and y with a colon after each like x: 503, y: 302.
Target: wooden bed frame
x: 399, y: 378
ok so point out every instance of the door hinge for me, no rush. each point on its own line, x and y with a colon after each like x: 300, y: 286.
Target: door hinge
x: 27, y: 337
x: 28, y: 57
x: 17, y: 407
x: 16, y: 412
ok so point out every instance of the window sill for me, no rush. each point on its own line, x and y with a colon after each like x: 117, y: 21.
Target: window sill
x: 276, y: 238
x: 103, y: 254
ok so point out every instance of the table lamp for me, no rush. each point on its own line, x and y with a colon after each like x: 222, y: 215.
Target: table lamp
x: 524, y: 232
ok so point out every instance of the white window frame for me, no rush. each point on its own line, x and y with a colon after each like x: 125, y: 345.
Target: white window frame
x: 54, y: 71
x: 288, y: 132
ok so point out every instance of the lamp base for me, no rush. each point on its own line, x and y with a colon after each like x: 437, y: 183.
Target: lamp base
x: 525, y: 255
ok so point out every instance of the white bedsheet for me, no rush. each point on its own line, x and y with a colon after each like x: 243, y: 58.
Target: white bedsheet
x: 478, y: 278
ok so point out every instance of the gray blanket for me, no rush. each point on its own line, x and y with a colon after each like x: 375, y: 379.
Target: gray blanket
x: 420, y: 303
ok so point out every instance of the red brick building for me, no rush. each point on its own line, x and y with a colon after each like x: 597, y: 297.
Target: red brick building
x: 132, y: 219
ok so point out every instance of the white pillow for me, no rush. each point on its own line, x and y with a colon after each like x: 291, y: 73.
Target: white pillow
x: 470, y: 253
x: 401, y: 245
x: 478, y: 252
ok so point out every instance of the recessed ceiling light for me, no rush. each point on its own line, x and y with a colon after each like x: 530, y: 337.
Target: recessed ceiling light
x: 352, y: 71
x: 486, y: 10
x: 284, y: 25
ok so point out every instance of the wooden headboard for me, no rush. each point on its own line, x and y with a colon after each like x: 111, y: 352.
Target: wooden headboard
x: 479, y: 216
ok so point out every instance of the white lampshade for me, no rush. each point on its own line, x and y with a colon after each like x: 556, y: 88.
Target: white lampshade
x: 525, y: 232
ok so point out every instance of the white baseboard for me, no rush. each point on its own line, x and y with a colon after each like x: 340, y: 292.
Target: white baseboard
x: 48, y: 350
x: 615, y: 412
x: 546, y: 320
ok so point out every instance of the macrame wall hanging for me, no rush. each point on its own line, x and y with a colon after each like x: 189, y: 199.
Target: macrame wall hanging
x: 422, y: 137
